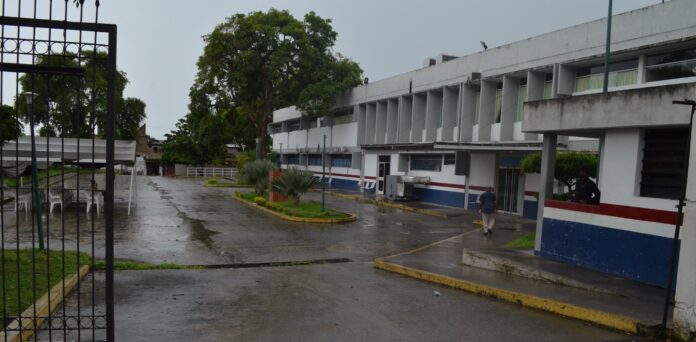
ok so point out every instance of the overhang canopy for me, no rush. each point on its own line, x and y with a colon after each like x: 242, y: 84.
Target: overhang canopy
x: 66, y: 150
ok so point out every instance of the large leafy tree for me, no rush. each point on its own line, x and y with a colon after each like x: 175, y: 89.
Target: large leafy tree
x: 255, y: 63
x: 10, y: 127
x: 73, y: 106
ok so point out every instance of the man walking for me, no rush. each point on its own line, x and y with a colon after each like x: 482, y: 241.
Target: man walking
x: 487, y: 208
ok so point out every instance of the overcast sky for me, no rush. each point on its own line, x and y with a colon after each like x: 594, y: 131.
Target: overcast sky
x: 159, y: 41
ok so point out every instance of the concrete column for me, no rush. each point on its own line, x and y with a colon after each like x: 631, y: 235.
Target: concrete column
x: 566, y: 80
x: 381, y: 125
x: 641, y: 70
x: 535, y: 85
x: 487, y: 112
x: 450, y: 105
x: 392, y: 120
x: 684, y: 315
x: 360, y: 109
x: 548, y: 165
x: 467, y: 113
x: 405, y: 111
x: 433, y: 114
x: 418, y: 117
x: 370, y: 123
x: 511, y: 87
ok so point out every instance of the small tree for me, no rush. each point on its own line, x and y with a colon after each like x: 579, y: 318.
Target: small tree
x: 294, y: 183
x: 256, y: 174
x: 567, y: 165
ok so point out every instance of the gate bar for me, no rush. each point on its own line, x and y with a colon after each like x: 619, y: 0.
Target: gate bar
x: 41, y: 69
x: 54, y: 24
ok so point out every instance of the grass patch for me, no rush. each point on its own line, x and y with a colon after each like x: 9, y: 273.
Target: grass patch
x: 306, y: 209
x: 19, y: 297
x: 43, y: 174
x: 525, y: 241
x: 123, y: 265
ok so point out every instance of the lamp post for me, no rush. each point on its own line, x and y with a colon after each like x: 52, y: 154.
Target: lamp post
x: 607, y: 50
x: 29, y: 96
x: 680, y: 210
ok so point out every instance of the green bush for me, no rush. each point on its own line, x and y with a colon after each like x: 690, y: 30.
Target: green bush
x: 256, y: 174
x: 274, y: 206
x: 259, y: 200
x: 212, y: 181
x: 568, y: 164
x: 294, y: 183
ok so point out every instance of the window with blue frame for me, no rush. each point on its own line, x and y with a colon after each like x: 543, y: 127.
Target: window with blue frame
x: 314, y: 160
x: 293, y: 159
x: 426, y: 162
x: 341, y: 160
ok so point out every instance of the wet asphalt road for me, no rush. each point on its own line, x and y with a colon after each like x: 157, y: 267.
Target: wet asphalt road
x: 180, y: 221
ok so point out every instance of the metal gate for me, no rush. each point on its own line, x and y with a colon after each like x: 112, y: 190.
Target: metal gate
x: 57, y: 98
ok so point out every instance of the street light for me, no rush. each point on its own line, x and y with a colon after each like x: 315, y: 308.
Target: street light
x: 680, y: 210
x: 607, y: 50
x: 29, y: 97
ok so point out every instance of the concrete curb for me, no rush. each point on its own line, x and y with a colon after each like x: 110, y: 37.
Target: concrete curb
x: 606, y: 319
x: 350, y: 218
x: 43, y: 308
x: 498, y: 264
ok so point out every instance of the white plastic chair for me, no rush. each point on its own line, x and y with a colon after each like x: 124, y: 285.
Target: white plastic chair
x: 22, y: 201
x: 97, y: 200
x: 56, y: 197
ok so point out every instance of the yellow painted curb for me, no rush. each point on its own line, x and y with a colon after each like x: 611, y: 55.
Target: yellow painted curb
x: 614, y: 321
x: 350, y: 218
x: 43, y: 307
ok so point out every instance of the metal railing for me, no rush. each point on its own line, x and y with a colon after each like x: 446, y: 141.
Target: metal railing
x: 224, y: 172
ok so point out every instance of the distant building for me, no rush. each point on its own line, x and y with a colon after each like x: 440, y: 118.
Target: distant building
x: 467, y: 122
x: 151, y: 149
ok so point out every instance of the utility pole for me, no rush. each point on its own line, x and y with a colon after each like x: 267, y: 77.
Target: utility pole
x: 34, y: 169
x: 323, y: 174
x: 607, y: 50
x: 680, y: 210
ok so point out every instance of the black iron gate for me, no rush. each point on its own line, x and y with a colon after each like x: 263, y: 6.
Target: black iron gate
x: 57, y: 99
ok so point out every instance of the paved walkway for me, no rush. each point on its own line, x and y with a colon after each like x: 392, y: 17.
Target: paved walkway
x: 612, y: 295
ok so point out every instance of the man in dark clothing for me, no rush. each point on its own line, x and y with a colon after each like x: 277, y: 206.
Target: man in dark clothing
x: 487, y: 208
x: 586, y: 190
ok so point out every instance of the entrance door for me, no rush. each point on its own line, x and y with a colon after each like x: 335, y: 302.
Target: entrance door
x: 382, y: 172
x: 510, y: 190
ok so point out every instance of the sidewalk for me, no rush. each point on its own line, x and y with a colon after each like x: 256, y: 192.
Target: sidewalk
x: 520, y: 277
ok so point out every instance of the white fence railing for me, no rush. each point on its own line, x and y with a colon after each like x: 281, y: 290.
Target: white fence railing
x: 228, y: 172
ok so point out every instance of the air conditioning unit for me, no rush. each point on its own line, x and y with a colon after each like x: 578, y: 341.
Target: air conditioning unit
x: 344, y: 149
x: 475, y: 76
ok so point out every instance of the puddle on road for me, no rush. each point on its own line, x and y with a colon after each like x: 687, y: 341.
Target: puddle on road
x: 198, y: 231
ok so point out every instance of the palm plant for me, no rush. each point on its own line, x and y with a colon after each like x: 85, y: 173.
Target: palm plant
x: 256, y: 174
x: 294, y: 183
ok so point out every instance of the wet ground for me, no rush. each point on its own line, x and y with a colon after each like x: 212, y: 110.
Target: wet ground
x: 180, y: 221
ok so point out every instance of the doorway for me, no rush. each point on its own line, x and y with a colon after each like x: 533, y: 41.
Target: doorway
x: 383, y: 170
x: 510, y: 190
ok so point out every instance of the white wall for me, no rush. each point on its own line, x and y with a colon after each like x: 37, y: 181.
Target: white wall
x: 482, y: 169
x: 345, y: 135
x: 619, y: 179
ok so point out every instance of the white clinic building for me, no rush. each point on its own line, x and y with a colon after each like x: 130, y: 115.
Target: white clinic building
x: 466, y: 122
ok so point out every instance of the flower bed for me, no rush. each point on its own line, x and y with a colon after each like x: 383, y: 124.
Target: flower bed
x: 307, y: 210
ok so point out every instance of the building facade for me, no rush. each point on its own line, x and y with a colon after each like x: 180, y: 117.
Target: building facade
x: 489, y: 109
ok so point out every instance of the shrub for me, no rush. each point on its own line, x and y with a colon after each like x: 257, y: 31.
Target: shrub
x: 259, y: 200
x: 294, y: 183
x: 212, y: 181
x: 256, y: 174
x: 274, y: 206
x: 567, y: 165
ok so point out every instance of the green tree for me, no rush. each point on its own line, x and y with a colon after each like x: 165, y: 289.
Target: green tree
x: 567, y: 165
x: 10, y: 127
x: 294, y: 183
x: 77, y: 106
x: 256, y: 173
x: 128, y: 119
x: 256, y: 63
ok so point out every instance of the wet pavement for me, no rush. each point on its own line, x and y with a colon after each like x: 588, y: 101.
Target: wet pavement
x: 181, y: 221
